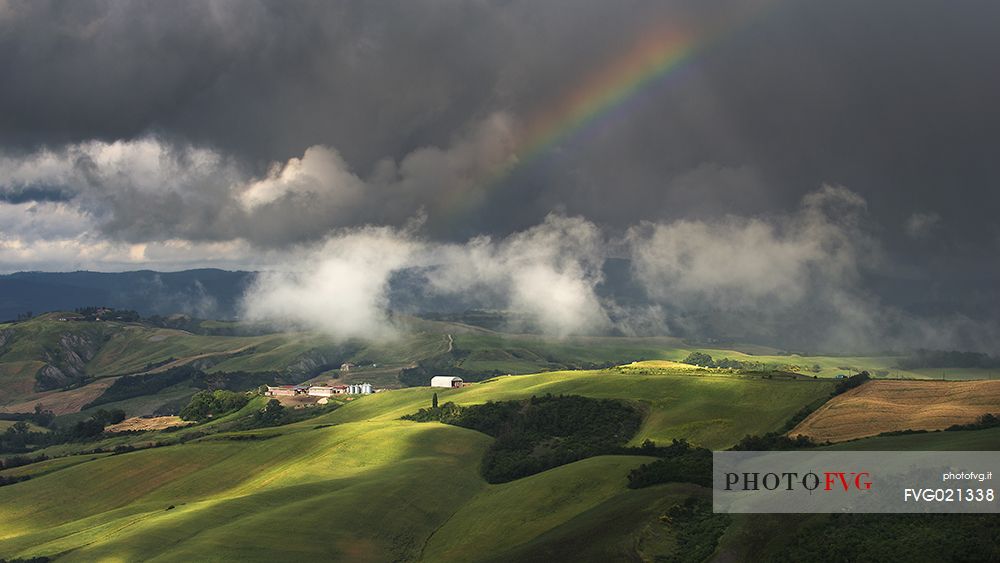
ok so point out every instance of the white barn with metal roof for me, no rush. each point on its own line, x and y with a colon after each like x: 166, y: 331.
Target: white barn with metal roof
x: 446, y: 381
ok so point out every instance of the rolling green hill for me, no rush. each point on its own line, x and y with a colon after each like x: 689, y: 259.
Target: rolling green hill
x: 709, y: 410
x: 360, y: 484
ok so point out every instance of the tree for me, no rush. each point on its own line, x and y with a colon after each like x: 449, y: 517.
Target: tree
x: 699, y: 359
x: 106, y: 418
x: 88, y: 428
x: 434, y: 401
x: 208, y: 404
x: 42, y: 416
x: 271, y: 414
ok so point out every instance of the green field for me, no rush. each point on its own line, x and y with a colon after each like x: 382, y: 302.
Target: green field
x: 51, y: 465
x: 963, y: 440
x: 18, y: 379
x: 359, y: 484
x: 580, y: 505
x: 488, y: 352
x: 831, y: 366
x: 355, y: 482
x: 373, y: 487
x: 5, y: 424
x: 713, y: 411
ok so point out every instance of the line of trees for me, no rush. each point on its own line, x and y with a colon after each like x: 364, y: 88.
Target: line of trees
x: 540, y: 433
x: 40, y: 416
x: 704, y: 360
x: 19, y: 438
x: 95, y: 313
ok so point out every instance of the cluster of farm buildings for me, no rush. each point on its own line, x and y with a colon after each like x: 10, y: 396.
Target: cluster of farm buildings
x: 319, y: 390
x: 322, y: 391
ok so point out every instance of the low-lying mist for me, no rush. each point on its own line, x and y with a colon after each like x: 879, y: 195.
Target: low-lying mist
x: 796, y: 281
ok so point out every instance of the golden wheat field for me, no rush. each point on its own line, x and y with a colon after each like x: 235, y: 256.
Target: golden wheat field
x: 885, y: 406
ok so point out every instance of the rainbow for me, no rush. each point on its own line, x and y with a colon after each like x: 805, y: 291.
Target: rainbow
x: 650, y: 59
x: 659, y: 52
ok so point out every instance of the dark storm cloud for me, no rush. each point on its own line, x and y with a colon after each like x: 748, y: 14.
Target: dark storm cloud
x: 35, y: 193
x: 263, y: 79
x: 892, y: 99
x: 277, y: 123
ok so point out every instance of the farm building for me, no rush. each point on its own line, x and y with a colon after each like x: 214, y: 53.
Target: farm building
x: 285, y: 390
x: 322, y: 391
x: 446, y: 381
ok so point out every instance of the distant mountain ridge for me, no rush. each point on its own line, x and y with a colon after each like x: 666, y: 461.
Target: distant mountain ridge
x: 205, y: 293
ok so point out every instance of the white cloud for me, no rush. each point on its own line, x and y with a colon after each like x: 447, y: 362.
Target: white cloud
x: 548, y: 273
x: 738, y: 261
x: 340, y: 288
x: 320, y: 172
x: 798, y: 274
x: 147, y: 189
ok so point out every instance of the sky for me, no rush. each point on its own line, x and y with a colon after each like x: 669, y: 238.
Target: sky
x: 771, y: 161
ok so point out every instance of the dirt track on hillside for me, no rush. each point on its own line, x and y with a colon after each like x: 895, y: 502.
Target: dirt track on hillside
x: 885, y: 406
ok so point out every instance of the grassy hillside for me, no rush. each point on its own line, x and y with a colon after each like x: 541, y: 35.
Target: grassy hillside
x: 628, y: 526
x: 962, y: 440
x: 5, y: 424
x: 359, y: 491
x: 134, y: 349
x: 488, y: 352
x: 709, y: 410
x: 61, y: 363
x: 18, y: 379
x: 556, y: 497
x: 359, y: 484
x: 364, y: 491
x: 370, y: 486
x: 58, y: 363
x: 830, y: 366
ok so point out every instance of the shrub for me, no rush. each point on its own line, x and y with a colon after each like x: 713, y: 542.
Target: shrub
x: 271, y: 415
x: 208, y: 404
x: 699, y: 359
